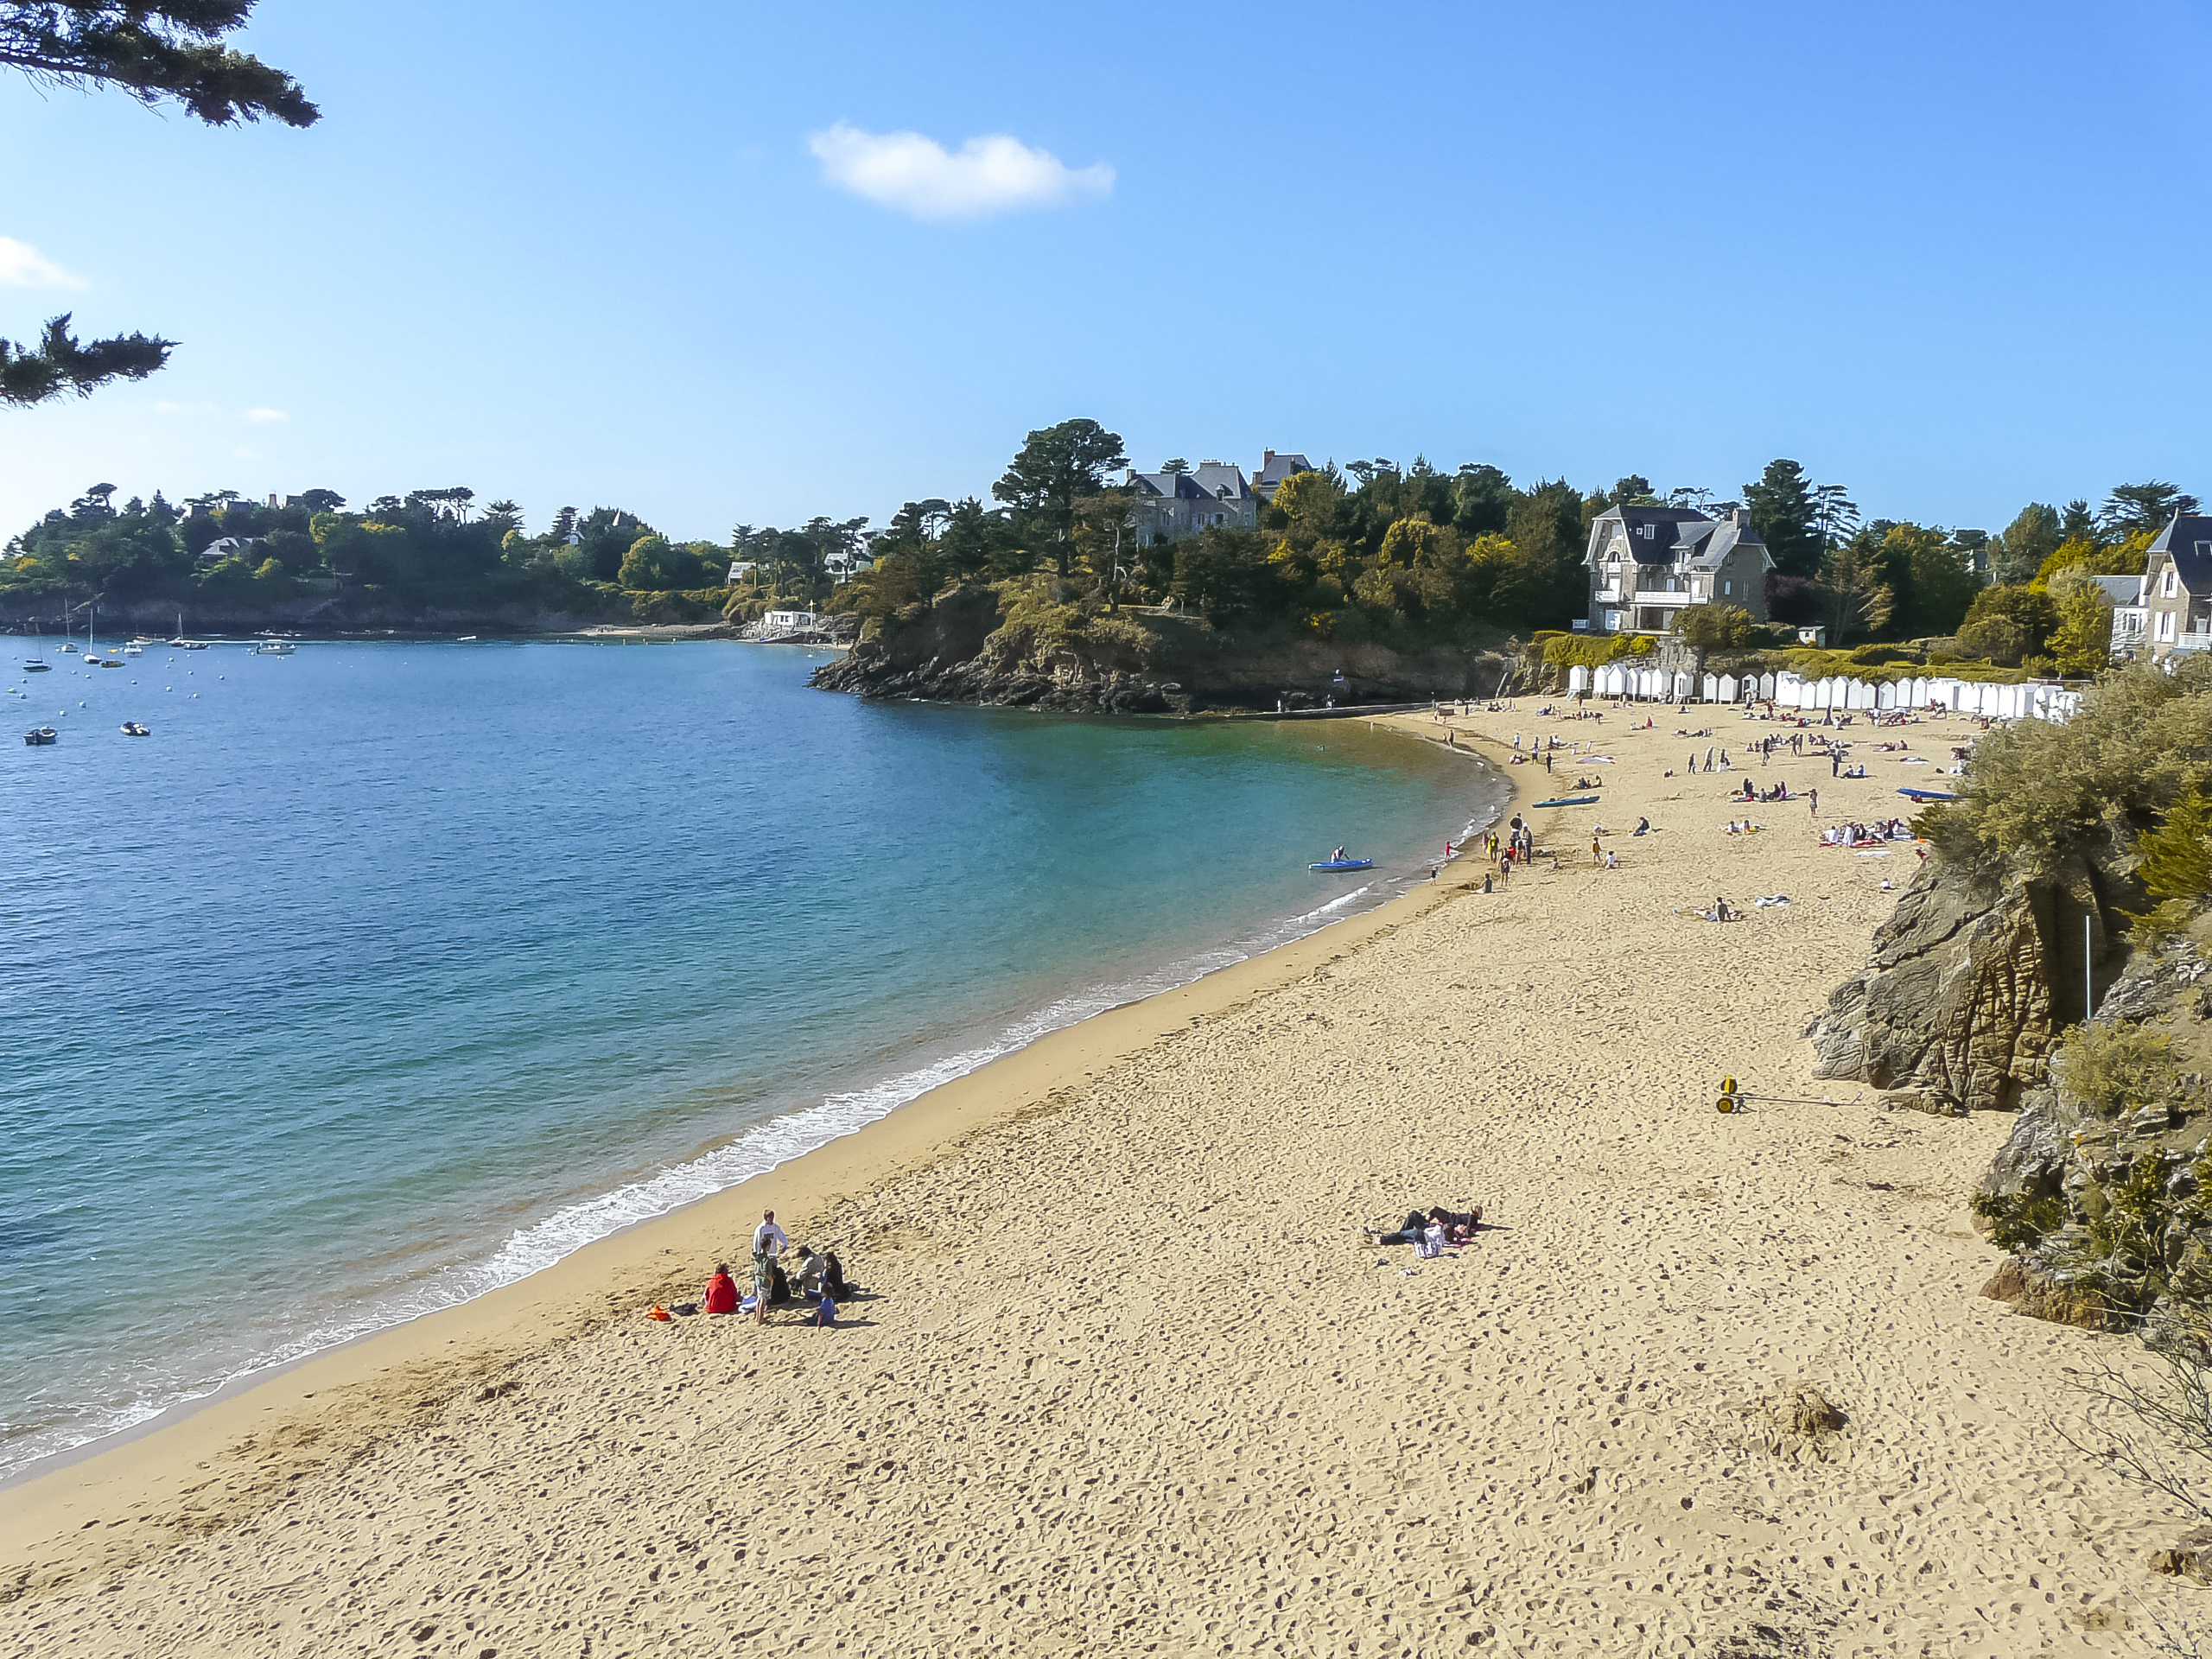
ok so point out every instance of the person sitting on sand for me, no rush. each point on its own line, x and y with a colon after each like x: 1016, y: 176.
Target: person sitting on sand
x: 721, y: 1291
x: 825, y: 1312
x: 1643, y: 827
x: 1720, y: 911
x: 811, y: 1271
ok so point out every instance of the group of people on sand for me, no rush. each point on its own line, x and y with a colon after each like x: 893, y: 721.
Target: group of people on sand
x: 1431, y: 1234
x: 815, y: 1280
x: 1863, y: 834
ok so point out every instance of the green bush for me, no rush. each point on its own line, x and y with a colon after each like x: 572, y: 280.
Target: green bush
x: 2018, y: 1220
x: 2038, y: 792
x: 2118, y: 1068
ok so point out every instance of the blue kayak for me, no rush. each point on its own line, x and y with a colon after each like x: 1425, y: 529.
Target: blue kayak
x: 1924, y: 796
x: 1344, y: 864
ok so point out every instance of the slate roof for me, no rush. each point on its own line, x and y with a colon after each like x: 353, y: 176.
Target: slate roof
x: 2121, y: 591
x: 2188, y: 541
x: 1222, y: 481
x: 1681, y: 536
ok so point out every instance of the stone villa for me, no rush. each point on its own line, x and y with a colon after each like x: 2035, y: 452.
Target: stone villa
x: 1648, y: 564
x: 2177, y: 589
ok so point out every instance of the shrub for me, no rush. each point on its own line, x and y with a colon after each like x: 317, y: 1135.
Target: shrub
x: 2117, y: 1068
x: 2018, y: 1220
x: 2038, y: 792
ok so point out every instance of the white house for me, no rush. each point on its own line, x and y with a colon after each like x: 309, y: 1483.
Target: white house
x: 791, y: 619
x: 2130, y: 617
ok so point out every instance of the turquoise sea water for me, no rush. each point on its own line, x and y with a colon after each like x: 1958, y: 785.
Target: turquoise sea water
x: 383, y: 975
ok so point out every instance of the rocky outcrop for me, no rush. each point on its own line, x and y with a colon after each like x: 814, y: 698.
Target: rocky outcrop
x: 1952, y: 1011
x: 968, y: 648
x: 2104, y: 1202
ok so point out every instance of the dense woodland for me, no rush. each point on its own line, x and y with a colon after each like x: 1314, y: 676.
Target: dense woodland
x: 1368, y: 552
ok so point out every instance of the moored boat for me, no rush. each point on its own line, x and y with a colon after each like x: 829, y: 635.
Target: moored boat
x: 40, y: 735
x: 132, y: 728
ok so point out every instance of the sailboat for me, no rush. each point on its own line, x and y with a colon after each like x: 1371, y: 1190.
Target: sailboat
x: 181, y: 642
x: 68, y: 640
x: 32, y: 665
x: 92, y: 651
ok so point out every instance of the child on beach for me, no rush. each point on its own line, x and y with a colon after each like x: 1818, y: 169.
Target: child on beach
x: 825, y: 1312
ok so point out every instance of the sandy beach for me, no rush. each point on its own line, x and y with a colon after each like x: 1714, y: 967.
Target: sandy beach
x: 1125, y: 1378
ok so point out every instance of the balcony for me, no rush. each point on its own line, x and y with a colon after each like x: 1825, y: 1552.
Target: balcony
x: 1670, y: 596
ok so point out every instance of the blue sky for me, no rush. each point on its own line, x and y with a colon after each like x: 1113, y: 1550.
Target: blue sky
x: 1953, y: 256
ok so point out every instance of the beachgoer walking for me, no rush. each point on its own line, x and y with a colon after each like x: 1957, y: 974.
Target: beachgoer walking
x: 1693, y: 763
x: 1596, y: 853
x: 1816, y: 802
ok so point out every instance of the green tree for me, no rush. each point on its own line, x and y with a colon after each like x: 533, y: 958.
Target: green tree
x: 1714, y: 627
x: 2131, y: 509
x: 1785, y: 515
x: 2081, y: 643
x: 1218, y: 570
x: 1482, y: 498
x: 2019, y: 550
x: 1854, y: 597
x: 163, y: 50
x: 1929, y: 578
x: 2008, y: 623
x: 169, y: 49
x: 2175, y: 860
x: 1056, y: 466
x: 2078, y: 524
x: 58, y: 366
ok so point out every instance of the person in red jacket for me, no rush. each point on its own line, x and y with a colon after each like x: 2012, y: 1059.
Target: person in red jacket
x: 721, y: 1291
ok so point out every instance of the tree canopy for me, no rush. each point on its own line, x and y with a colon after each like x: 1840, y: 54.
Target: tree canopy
x: 58, y: 366
x: 166, y: 50
x: 169, y: 49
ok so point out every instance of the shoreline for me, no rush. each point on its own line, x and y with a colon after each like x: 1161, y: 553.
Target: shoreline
x: 1124, y: 1375
x: 180, y: 1415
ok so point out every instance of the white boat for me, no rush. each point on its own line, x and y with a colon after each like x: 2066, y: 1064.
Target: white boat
x: 136, y: 648
x: 183, y: 644
x: 274, y: 648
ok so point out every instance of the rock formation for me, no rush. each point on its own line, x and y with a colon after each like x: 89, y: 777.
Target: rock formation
x: 1955, y: 1011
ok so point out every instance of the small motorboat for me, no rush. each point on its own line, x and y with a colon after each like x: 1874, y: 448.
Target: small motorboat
x: 1567, y: 800
x: 1924, y: 796
x: 132, y: 728
x: 104, y: 662
x: 274, y: 648
x: 1335, y: 865
x: 136, y: 648
x: 38, y: 736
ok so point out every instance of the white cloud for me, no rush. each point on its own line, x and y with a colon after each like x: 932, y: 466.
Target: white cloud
x: 918, y: 176
x: 24, y: 266
x: 262, y: 417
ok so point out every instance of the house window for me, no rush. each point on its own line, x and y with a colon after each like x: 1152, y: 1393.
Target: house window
x: 1645, y: 531
x: 1727, y: 589
x: 2167, y: 583
x: 2165, y: 624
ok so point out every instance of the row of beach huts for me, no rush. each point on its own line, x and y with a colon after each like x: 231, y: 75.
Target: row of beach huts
x: 2033, y: 700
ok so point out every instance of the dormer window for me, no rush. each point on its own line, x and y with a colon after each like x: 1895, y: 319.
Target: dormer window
x: 1647, y: 531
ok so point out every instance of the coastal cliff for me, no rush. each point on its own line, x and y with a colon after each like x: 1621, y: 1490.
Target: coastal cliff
x: 1020, y: 649
x: 2049, y: 960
